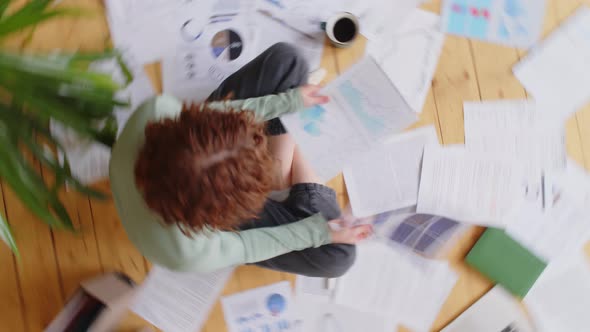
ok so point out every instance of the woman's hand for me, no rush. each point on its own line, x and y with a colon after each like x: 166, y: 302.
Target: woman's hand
x: 310, y: 95
x: 342, y: 233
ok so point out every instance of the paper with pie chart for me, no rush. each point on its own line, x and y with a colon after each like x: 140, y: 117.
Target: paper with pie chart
x: 364, y: 108
x: 266, y: 308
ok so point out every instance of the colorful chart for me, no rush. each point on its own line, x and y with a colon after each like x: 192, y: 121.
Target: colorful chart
x: 227, y: 45
x: 312, y: 119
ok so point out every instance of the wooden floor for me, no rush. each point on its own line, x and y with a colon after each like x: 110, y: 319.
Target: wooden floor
x: 34, y: 288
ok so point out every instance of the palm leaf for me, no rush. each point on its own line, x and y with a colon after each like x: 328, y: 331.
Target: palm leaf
x: 32, y: 14
x: 7, y: 236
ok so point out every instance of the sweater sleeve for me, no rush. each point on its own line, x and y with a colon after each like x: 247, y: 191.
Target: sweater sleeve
x: 265, y: 108
x: 215, y: 250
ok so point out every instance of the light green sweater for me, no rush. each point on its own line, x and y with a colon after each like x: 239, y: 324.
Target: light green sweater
x: 208, y: 250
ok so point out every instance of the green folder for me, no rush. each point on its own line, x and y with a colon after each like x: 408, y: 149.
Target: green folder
x: 503, y: 260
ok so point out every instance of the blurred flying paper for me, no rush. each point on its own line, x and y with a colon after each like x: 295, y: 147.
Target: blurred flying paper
x: 496, y: 311
x: 386, y: 282
x: 469, y: 187
x: 409, y: 55
x: 364, y: 109
x: 560, y: 298
x: 316, y: 315
x: 268, y: 308
x: 179, y: 301
x: 516, y: 130
x: 516, y: 23
x: 556, y: 72
x: 387, y: 177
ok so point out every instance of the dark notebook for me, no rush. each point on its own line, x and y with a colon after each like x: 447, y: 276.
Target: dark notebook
x: 503, y: 260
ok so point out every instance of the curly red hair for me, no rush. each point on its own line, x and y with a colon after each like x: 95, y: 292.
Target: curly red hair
x: 205, y: 169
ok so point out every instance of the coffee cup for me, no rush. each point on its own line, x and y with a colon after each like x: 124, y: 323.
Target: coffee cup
x: 341, y: 29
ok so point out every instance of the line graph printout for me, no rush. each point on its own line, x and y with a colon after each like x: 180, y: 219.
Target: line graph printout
x: 364, y: 108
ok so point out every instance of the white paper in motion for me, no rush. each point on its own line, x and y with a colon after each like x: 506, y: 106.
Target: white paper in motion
x: 557, y: 71
x: 409, y: 55
x: 561, y: 224
x: 89, y: 162
x: 364, y: 109
x: 316, y: 315
x: 496, y: 311
x: 560, y: 298
x: 178, y: 301
x: 551, y: 233
x: 516, y: 130
x: 199, y: 66
x: 387, y: 177
x: 469, y: 187
x: 268, y: 308
x: 380, y: 18
x: 409, y: 288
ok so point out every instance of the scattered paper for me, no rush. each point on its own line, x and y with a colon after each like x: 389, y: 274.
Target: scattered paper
x: 387, y: 177
x: 509, y: 22
x: 380, y: 18
x: 319, y: 287
x: 423, y: 234
x: 268, y: 308
x: 200, y: 65
x: 469, y: 187
x: 561, y: 224
x: 89, y: 162
x: 364, y: 109
x: 409, y: 55
x: 560, y: 298
x: 496, y: 311
x: 178, y: 302
x: 557, y: 71
x: 408, y: 287
x: 515, y: 130
x: 315, y: 315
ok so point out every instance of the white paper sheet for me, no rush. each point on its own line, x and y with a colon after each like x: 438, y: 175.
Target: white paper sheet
x: 496, y: 311
x: 89, y: 162
x: 515, y: 130
x: 319, y: 287
x: 364, y: 109
x: 469, y: 187
x: 315, y: 315
x: 380, y: 18
x: 557, y: 71
x: 268, y: 308
x: 409, y: 55
x: 550, y: 234
x: 573, y: 182
x: 387, y: 177
x: 178, y: 302
x: 409, y: 288
x: 199, y: 66
x: 512, y: 22
x: 560, y: 298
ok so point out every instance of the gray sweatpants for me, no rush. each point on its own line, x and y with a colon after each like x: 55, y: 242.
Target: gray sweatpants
x: 277, y: 70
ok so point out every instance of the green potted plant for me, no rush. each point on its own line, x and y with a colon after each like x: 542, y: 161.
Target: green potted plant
x: 35, y: 88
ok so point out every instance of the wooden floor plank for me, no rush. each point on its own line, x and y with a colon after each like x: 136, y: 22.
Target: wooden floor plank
x: 37, y: 269
x: 77, y: 253
x: 454, y: 83
x: 116, y: 251
x: 12, y: 313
